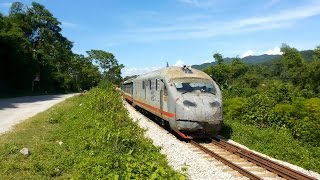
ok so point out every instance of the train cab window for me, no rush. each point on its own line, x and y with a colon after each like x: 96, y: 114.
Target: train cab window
x: 165, y: 90
x: 193, y: 86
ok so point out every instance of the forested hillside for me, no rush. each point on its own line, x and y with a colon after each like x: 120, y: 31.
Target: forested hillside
x: 281, y: 94
x: 265, y: 58
x: 36, y: 57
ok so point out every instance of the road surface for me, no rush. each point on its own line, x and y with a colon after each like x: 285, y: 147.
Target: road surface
x: 15, y: 110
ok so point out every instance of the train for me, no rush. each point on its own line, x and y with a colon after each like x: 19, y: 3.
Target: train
x: 186, y: 100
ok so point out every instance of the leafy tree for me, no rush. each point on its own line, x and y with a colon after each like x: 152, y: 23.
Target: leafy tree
x: 218, y: 58
x: 84, y: 72
x: 220, y: 73
x: 291, y: 57
x: 314, y: 71
x: 294, y: 65
x: 109, y: 65
x: 31, y: 43
x: 238, y: 68
x: 16, y: 8
x: 16, y: 64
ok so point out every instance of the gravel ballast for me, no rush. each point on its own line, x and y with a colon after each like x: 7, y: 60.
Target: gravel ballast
x: 182, y: 158
x: 179, y: 154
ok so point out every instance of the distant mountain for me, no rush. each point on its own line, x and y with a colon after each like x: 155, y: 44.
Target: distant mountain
x: 249, y: 60
x: 307, y: 55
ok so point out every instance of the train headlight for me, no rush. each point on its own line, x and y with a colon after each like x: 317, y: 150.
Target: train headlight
x: 215, y: 104
x: 189, y: 103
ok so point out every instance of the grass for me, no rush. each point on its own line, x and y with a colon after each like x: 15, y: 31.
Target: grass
x: 277, y: 143
x: 86, y: 137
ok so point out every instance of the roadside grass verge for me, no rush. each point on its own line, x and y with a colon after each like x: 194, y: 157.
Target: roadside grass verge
x: 277, y: 143
x: 89, y: 136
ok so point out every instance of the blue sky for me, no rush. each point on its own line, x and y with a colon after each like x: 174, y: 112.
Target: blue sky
x: 145, y: 34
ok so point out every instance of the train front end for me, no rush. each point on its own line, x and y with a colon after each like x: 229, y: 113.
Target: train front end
x: 199, y: 110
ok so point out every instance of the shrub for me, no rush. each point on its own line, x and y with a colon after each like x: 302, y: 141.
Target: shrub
x: 302, y: 117
x: 234, y: 108
x: 307, y: 127
x: 259, y: 111
x: 285, y: 114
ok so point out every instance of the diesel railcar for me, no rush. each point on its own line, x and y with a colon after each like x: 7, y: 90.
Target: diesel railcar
x: 186, y: 99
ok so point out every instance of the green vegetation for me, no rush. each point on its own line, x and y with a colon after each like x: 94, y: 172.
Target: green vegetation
x: 277, y: 143
x: 36, y: 58
x: 97, y: 140
x: 274, y: 107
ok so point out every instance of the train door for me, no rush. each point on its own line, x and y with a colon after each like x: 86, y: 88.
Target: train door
x: 158, y: 95
x: 162, y: 98
x: 144, y: 84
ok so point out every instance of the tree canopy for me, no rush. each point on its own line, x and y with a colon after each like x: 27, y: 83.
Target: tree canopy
x: 283, y: 93
x: 110, y: 67
x: 35, y: 56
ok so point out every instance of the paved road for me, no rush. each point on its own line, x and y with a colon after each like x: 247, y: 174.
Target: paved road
x: 15, y: 110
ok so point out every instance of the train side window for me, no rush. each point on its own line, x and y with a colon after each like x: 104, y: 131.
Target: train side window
x: 156, y: 84
x: 143, y: 85
x: 150, y: 84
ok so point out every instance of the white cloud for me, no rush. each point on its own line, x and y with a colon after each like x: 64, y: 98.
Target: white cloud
x: 283, y: 16
x: 138, y: 71
x: 179, y: 63
x: 274, y: 51
x: 203, y: 26
x: 247, y: 53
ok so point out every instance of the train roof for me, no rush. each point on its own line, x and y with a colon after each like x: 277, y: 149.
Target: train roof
x: 128, y: 81
x: 176, y: 73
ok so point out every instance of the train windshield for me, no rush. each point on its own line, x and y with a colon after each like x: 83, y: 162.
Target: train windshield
x: 194, y: 86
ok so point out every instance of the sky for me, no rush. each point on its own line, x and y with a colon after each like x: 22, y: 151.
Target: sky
x: 146, y: 34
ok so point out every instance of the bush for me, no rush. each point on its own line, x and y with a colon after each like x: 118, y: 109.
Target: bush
x: 259, y: 111
x: 307, y: 127
x: 302, y: 117
x: 285, y: 114
x: 234, y: 108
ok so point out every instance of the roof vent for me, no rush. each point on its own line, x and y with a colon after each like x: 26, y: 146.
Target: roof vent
x: 187, y: 69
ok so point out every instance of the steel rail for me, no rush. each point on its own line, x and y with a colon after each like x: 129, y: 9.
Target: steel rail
x: 266, y: 163
x: 225, y: 161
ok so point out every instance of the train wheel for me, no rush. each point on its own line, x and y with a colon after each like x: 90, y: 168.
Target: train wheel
x: 162, y: 122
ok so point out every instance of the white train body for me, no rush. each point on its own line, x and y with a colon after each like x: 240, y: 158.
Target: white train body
x: 188, y: 99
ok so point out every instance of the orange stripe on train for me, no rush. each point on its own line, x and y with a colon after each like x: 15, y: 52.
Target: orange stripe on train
x: 168, y: 114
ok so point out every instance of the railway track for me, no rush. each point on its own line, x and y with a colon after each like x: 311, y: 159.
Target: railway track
x: 247, y: 163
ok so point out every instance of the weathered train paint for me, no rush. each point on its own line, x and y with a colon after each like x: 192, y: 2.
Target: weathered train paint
x: 187, y: 98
